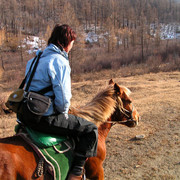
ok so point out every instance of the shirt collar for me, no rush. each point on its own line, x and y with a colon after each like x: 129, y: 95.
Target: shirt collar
x: 57, y: 49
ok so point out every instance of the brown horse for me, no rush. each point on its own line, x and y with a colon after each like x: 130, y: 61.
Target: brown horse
x: 113, y: 105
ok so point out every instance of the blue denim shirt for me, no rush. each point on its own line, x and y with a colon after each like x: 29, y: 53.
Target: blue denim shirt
x: 53, y: 68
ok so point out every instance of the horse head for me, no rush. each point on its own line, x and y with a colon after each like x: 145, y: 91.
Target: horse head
x: 111, y: 104
x: 125, y: 113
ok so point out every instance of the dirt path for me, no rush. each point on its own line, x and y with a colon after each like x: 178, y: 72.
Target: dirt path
x: 157, y: 98
x: 157, y: 156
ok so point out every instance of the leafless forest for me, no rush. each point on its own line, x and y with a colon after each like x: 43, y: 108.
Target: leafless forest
x: 128, y: 35
x: 130, y: 29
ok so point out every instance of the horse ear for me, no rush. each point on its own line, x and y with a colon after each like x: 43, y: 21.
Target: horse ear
x: 117, y: 89
x: 111, y: 81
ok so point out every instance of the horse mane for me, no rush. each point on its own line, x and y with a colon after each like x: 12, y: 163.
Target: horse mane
x: 101, y: 107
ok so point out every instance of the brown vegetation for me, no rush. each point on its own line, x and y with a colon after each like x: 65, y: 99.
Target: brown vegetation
x: 156, y: 97
x: 128, y: 42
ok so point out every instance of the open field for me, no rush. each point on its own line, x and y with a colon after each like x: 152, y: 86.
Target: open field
x: 156, y: 97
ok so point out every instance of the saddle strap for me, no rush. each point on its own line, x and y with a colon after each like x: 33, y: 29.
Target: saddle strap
x: 47, y: 163
x: 40, y: 168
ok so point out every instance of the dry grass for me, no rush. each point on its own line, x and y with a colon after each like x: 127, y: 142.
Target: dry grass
x: 156, y: 97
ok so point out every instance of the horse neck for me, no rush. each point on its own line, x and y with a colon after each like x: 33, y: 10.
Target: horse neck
x: 99, y: 109
x: 104, y: 129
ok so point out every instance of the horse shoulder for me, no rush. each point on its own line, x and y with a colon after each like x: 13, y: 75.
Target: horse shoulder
x: 94, y: 168
x: 94, y: 165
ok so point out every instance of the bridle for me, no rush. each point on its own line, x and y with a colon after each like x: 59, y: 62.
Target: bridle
x: 128, y: 114
x: 129, y: 117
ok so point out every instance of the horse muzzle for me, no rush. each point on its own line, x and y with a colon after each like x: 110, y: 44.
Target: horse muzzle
x: 129, y: 123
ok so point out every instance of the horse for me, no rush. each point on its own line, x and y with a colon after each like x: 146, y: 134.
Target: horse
x: 111, y: 106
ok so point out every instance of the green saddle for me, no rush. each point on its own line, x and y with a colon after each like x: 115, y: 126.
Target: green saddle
x: 43, y: 140
x: 56, y: 150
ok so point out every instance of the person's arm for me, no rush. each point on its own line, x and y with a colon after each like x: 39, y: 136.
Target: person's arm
x: 61, y: 81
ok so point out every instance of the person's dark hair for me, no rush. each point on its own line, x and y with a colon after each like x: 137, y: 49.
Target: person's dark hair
x: 62, y: 35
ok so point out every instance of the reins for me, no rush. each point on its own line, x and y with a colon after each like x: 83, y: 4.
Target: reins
x: 123, y: 111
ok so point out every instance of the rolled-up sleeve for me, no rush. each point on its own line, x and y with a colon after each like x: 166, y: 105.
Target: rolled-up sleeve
x: 61, y: 81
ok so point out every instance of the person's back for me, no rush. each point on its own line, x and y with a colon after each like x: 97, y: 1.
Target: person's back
x: 53, y: 69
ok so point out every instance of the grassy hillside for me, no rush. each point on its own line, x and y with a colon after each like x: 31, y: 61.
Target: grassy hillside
x: 156, y: 97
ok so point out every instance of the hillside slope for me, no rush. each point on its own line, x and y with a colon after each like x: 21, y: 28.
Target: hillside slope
x: 157, y: 156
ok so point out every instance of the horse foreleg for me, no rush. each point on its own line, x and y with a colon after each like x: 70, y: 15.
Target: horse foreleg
x: 94, y: 169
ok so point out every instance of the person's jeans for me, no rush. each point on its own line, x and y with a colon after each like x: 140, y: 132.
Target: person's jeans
x: 86, y: 132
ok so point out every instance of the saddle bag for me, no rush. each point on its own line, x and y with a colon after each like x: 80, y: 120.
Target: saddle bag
x: 37, y: 103
x: 33, y: 107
